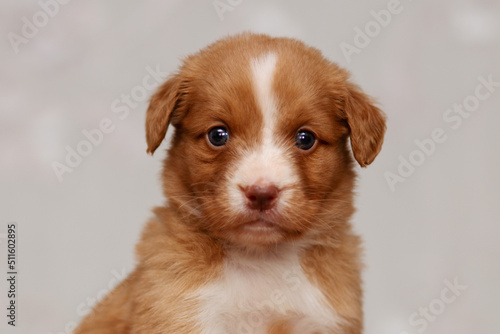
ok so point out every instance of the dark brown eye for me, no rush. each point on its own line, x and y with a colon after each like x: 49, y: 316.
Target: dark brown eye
x: 305, y: 140
x: 218, y: 136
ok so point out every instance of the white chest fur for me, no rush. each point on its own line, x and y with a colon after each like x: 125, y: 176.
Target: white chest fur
x: 257, y: 291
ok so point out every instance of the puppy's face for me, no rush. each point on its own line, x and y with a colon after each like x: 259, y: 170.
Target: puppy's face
x: 260, y: 150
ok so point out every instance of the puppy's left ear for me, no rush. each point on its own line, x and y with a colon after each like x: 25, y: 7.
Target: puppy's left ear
x: 161, y: 111
x: 366, y: 123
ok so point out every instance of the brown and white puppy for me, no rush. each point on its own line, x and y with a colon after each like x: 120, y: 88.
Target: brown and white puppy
x: 255, y: 236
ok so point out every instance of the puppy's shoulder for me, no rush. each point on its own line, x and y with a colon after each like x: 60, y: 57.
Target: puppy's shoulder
x: 172, y: 246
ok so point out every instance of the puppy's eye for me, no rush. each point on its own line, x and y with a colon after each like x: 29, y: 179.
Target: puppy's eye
x: 218, y: 136
x: 305, y: 140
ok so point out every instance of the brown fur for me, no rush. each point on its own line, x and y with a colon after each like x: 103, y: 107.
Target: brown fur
x: 184, y: 246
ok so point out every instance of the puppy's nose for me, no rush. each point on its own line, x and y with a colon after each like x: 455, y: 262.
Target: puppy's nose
x: 261, y: 197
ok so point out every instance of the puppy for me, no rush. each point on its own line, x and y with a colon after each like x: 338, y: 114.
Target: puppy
x: 255, y: 235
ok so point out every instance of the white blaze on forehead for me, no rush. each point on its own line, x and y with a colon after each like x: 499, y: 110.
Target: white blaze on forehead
x: 263, y: 69
x: 268, y: 162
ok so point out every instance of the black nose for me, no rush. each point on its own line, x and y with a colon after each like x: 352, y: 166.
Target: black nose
x: 261, y: 197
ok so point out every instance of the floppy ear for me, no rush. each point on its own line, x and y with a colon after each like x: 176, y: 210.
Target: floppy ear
x: 366, y: 123
x: 160, y: 112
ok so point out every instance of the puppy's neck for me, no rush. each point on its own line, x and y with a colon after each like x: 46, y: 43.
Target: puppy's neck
x: 276, y: 252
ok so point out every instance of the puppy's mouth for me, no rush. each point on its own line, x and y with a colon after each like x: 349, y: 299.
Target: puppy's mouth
x: 260, y: 226
x: 259, y: 231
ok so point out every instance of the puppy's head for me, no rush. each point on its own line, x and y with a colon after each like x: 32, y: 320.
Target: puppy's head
x: 260, y: 152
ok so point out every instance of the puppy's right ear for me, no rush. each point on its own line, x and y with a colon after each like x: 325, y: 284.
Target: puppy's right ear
x: 161, y: 112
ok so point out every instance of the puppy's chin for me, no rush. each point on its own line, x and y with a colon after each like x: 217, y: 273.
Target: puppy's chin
x: 251, y: 235
x: 259, y: 230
